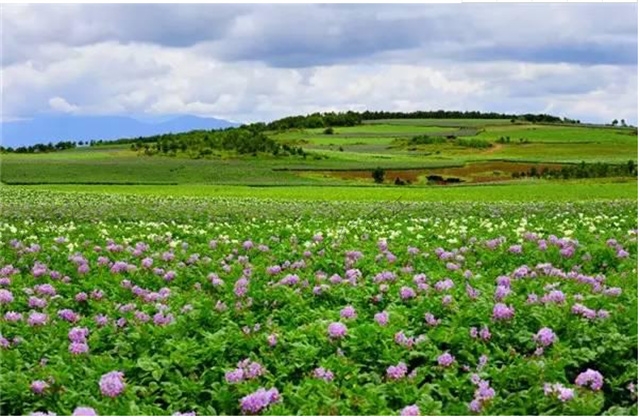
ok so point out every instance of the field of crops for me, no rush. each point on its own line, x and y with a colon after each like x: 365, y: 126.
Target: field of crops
x: 130, y: 305
x: 363, y: 147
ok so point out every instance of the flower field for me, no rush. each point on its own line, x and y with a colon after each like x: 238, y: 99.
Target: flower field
x: 334, y: 310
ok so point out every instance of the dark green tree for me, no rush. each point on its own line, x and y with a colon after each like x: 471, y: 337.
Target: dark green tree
x: 378, y: 175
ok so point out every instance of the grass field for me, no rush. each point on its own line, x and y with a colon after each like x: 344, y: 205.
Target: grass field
x: 360, y: 148
x: 517, y: 192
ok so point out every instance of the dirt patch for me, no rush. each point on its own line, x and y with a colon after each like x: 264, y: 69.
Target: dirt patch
x: 480, y: 172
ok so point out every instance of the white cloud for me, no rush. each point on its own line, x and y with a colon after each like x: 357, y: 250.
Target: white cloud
x: 59, y: 104
x: 258, y: 63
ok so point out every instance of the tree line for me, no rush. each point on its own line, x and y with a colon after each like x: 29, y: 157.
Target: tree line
x: 42, y: 148
x: 353, y: 118
x: 582, y: 170
x: 245, y: 140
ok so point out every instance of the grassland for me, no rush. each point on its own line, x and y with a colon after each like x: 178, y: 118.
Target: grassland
x: 565, y: 191
x: 360, y: 148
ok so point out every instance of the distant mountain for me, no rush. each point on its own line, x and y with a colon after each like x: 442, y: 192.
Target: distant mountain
x: 45, y: 129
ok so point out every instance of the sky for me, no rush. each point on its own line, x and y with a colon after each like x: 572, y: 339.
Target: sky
x: 249, y: 63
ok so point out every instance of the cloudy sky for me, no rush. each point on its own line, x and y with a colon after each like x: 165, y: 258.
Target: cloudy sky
x: 260, y: 62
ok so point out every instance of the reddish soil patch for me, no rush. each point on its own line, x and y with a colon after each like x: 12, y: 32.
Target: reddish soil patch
x: 471, y: 173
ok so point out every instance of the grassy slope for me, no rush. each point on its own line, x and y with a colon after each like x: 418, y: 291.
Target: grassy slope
x: 364, y: 147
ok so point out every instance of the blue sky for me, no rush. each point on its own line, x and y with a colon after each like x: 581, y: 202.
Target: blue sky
x: 260, y: 62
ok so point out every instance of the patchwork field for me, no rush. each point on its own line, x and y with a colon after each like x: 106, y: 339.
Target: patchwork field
x: 293, y: 284
x: 359, y: 149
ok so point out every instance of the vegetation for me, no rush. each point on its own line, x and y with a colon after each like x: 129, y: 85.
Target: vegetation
x: 378, y: 175
x: 146, y: 305
x: 42, y: 148
x: 461, y: 142
x: 583, y: 170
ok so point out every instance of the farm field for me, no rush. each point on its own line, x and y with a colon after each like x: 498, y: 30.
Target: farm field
x: 566, y: 191
x: 133, y: 304
x: 294, y: 285
x: 359, y: 148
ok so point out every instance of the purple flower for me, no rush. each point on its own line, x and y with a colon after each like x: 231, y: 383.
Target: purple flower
x: 446, y: 359
x: 78, y: 348
x: 322, y: 373
x: 397, y: 372
x: 475, y: 406
x: 337, y: 330
x: 272, y: 340
x: 84, y: 411
x: 259, y: 400
x: 78, y: 335
x: 35, y: 302
x: 473, y: 332
x: 502, y: 312
x: 38, y: 387
x: 545, y: 337
x: 40, y: 413
x: 410, y: 410
x: 37, y: 319
x: 532, y: 298
x: 101, y: 320
x: 613, y: 291
x: 141, y: 316
x: 45, y: 289
x: 382, y: 318
x: 482, y: 361
x: 188, y: 413
x: 162, y: 319
x: 5, y: 296
x: 564, y: 394
x: 234, y: 376
x: 515, y: 249
x: 431, y: 320
x: 485, y: 334
x: 407, y: 293
x: 112, y: 384
x: 554, y: 296
x: 445, y: 284
x: 590, y: 377
x: 567, y: 252
x: 12, y: 316
x: 81, y: 297
x: 471, y: 292
x: 501, y: 292
x: 348, y: 312
x: 68, y: 315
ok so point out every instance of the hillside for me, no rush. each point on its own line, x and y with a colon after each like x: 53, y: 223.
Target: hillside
x: 418, y: 151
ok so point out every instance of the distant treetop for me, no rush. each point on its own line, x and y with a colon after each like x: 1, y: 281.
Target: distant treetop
x: 352, y: 118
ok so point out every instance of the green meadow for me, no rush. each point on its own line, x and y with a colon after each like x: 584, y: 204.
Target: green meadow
x: 341, y: 163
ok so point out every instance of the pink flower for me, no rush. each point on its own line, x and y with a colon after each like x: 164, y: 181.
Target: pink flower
x: 446, y: 359
x: 382, y: 318
x: 590, y: 377
x: 397, y: 372
x: 502, y: 312
x: 84, y: 411
x: 348, y: 312
x: 545, y: 337
x: 38, y: 387
x: 337, y: 330
x: 410, y: 410
x: 112, y: 384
